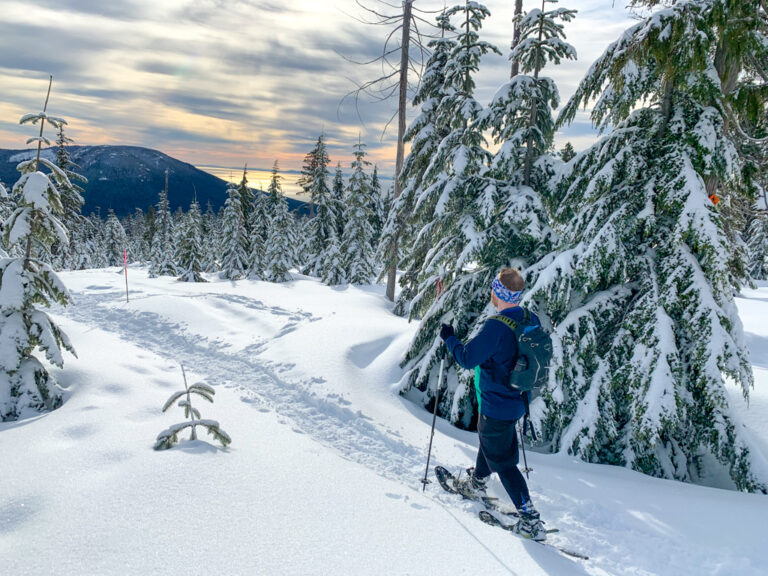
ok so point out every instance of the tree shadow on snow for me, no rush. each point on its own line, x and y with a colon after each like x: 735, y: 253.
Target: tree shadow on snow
x: 758, y: 349
x: 199, y: 447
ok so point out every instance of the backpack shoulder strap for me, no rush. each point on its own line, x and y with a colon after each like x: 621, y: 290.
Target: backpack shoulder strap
x: 517, y: 327
x: 508, y: 322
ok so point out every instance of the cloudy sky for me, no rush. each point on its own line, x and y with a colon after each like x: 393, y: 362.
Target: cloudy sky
x: 218, y: 83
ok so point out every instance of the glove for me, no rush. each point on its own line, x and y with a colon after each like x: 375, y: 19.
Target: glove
x: 446, y: 331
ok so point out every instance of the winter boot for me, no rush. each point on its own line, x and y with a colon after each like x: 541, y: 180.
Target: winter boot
x: 530, y: 525
x: 470, y: 486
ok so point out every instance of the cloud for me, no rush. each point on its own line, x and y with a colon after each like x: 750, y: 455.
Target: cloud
x: 126, y: 10
x: 217, y: 81
x: 30, y: 47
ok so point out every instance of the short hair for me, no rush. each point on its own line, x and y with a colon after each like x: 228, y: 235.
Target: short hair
x: 512, y: 279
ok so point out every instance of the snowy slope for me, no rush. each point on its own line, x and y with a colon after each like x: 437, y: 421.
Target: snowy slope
x: 323, y: 473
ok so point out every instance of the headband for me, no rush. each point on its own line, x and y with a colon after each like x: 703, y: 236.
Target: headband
x: 505, y: 294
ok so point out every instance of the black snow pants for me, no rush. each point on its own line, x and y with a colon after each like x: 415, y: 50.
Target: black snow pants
x: 499, y: 453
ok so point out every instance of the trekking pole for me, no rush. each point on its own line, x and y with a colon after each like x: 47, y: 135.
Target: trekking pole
x: 441, y: 355
x: 525, y: 460
x: 522, y: 436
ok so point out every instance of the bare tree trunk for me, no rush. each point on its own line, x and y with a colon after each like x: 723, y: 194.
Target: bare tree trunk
x: 466, y: 71
x: 165, y: 215
x: 28, y: 252
x: 728, y: 69
x: 534, y: 110
x: 402, y: 103
x: 516, y: 37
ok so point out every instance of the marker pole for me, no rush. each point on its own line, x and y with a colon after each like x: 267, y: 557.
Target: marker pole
x: 125, y: 267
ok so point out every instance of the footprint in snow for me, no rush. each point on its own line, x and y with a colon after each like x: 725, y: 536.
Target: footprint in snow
x: 115, y: 389
x: 137, y: 369
x: 79, y: 431
x: 14, y: 514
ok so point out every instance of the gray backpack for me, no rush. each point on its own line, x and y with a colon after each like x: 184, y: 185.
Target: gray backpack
x: 534, y: 353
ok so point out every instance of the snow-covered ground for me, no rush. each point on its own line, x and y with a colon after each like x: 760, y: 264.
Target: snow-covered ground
x: 323, y: 473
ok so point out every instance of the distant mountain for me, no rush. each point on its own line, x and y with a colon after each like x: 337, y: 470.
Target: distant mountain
x: 124, y: 178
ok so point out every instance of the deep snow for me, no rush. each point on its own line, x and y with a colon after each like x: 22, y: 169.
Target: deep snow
x: 323, y: 473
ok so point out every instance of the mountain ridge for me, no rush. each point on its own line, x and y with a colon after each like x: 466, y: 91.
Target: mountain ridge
x: 124, y: 178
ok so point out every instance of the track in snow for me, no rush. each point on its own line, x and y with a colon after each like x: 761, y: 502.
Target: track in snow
x: 260, y: 382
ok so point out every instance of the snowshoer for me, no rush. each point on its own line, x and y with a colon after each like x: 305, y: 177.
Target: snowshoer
x: 493, y: 354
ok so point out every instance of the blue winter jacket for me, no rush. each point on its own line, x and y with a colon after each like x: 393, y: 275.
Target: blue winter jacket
x: 493, y: 354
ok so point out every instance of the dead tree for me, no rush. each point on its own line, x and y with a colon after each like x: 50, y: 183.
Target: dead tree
x: 394, y: 80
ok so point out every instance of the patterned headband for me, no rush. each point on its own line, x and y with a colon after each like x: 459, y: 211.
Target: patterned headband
x: 505, y: 294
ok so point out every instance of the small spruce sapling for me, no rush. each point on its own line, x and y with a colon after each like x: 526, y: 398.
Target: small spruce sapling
x: 167, y: 438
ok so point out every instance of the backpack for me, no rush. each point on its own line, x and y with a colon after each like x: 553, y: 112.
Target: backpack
x: 534, y: 352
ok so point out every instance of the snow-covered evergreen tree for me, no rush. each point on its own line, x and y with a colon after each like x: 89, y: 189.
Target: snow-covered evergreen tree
x: 333, y: 272
x: 379, y: 258
x: 507, y: 218
x: 150, y: 232
x: 322, y: 228
x: 247, y: 205
x: 71, y: 201
x: 163, y: 249
x: 189, y: 253
x: 210, y: 242
x: 307, y: 177
x: 757, y: 245
x: 28, y: 284
x: 451, y: 210
x: 567, y: 153
x: 640, y: 291
x: 274, y: 191
x: 378, y: 214
x: 749, y: 218
x: 300, y: 241
x: 96, y: 241
x: 87, y: 245
x: 357, y: 240
x: 520, y: 114
x: 278, y: 257
x: 115, y: 240
x: 136, y: 229
x: 260, y: 222
x: 178, y: 218
x: 5, y: 211
x: 234, y: 256
x: 339, y: 200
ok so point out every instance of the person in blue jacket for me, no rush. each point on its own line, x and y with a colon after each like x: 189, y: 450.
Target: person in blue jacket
x: 493, y: 354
